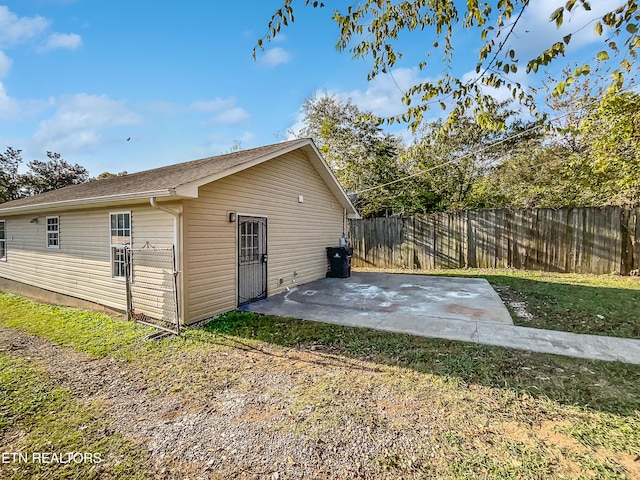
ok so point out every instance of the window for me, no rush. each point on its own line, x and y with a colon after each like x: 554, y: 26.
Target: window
x: 53, y: 232
x: 120, y: 238
x: 3, y: 241
x: 249, y: 246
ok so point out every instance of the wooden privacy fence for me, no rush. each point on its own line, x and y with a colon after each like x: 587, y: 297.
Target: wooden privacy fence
x: 580, y: 240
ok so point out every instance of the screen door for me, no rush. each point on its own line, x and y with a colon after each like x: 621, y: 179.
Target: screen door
x: 252, y: 259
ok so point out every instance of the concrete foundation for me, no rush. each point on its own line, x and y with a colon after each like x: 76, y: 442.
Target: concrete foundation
x: 46, y: 296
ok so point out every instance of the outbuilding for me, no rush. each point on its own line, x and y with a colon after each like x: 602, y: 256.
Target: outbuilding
x: 195, y: 239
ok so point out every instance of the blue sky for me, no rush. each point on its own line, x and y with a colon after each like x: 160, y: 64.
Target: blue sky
x: 80, y: 77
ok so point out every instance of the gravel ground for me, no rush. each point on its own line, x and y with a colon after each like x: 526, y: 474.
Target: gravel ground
x: 255, y: 428
x: 226, y: 409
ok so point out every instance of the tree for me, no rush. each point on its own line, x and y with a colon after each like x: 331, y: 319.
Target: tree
x: 452, y: 161
x: 10, y: 161
x: 370, y: 29
x: 545, y: 177
x: 105, y: 175
x: 358, y: 151
x: 594, y: 161
x: 612, y: 133
x: 53, y: 174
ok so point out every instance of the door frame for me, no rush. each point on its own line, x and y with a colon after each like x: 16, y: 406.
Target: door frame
x: 240, y: 215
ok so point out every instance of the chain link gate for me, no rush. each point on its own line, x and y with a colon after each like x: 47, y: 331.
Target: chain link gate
x: 152, y: 290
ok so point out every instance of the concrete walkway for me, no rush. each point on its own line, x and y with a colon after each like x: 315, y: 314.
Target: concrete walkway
x: 439, y: 307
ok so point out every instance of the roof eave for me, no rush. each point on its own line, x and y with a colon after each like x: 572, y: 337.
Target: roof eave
x: 86, y: 202
x: 191, y: 189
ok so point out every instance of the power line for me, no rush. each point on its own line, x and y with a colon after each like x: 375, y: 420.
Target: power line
x: 422, y: 172
x: 480, y: 150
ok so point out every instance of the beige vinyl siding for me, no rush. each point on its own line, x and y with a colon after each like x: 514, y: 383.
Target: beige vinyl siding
x: 298, y: 233
x: 152, y: 288
x: 81, y: 266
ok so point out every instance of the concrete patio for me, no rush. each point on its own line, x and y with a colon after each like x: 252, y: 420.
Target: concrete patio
x: 465, y: 309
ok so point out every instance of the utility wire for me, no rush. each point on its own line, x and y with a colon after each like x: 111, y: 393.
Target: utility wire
x: 480, y: 150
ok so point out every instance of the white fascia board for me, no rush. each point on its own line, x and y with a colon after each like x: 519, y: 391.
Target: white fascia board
x: 86, y: 202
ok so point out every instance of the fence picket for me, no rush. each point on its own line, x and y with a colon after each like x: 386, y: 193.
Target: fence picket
x: 578, y: 239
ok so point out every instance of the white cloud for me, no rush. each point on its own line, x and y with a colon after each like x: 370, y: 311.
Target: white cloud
x: 70, y: 41
x: 9, y: 107
x: 503, y: 93
x: 383, y: 96
x: 274, y: 57
x: 222, y: 142
x: 225, y: 109
x: 232, y: 116
x: 213, y: 106
x: 12, y: 109
x: 384, y: 93
x: 78, y: 122
x: 15, y: 30
x: 5, y: 64
x: 535, y: 32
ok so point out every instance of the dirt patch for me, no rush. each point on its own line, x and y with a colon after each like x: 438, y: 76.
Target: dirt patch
x: 233, y: 410
x: 246, y: 431
x: 515, y: 303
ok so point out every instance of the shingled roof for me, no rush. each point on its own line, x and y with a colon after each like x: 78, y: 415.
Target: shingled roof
x: 179, y: 180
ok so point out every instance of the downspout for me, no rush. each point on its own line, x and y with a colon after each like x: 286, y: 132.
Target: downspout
x: 176, y: 216
x: 344, y: 221
x: 177, y: 244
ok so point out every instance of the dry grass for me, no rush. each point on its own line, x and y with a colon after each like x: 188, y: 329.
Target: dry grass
x: 266, y: 397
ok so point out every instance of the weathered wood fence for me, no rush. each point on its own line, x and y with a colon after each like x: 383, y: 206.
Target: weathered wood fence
x: 581, y: 240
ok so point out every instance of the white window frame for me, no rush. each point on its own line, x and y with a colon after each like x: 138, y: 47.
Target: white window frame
x: 55, y: 233
x: 116, y: 248
x: 3, y: 241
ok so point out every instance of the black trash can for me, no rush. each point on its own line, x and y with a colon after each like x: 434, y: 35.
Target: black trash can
x: 339, y: 261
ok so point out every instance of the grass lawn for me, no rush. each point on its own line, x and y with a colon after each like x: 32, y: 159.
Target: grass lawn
x: 578, y: 303
x: 345, y: 402
x: 36, y: 415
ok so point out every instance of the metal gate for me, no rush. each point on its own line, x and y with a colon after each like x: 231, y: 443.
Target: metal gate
x: 252, y: 259
x: 152, y: 293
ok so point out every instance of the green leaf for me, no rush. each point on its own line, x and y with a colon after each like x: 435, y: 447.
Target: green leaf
x: 557, y: 16
x: 618, y: 78
x: 583, y: 70
x: 598, y: 28
x: 567, y: 38
x: 559, y: 90
x: 632, y: 28
x: 626, y: 65
x: 603, y: 55
x: 556, y: 13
